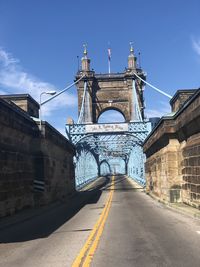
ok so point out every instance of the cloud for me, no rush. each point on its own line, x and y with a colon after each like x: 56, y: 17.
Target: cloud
x: 163, y: 109
x: 6, y: 59
x: 16, y: 80
x: 196, y: 45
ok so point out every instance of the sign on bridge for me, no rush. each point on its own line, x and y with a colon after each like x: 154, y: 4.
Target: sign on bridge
x: 106, y: 128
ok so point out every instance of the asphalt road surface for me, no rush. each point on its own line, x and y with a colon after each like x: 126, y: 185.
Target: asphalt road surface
x: 116, y: 224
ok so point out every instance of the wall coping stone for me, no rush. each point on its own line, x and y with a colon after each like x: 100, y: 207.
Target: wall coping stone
x: 20, y: 97
x: 170, y: 127
x: 178, y: 92
x: 50, y: 133
x: 24, y: 118
x: 32, y: 125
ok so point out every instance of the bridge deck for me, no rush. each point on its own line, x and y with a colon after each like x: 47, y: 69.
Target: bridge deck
x: 137, y: 231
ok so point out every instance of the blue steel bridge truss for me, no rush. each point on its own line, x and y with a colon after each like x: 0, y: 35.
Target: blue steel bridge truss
x: 103, y: 149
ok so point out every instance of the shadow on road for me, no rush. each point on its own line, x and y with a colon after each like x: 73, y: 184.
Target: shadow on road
x: 121, y: 184
x: 44, y: 224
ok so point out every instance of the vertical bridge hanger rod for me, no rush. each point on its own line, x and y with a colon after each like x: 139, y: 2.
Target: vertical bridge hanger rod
x: 81, y: 115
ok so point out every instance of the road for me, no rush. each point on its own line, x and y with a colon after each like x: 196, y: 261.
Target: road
x: 112, y: 224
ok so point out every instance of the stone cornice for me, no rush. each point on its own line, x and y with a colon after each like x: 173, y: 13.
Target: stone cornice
x: 183, y: 124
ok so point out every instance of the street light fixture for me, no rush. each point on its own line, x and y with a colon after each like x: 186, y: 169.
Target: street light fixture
x: 40, y: 111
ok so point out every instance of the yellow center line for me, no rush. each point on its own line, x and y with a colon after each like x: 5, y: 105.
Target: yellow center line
x: 87, y: 252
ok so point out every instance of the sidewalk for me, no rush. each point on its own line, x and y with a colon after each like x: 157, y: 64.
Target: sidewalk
x: 135, y: 184
x: 179, y: 207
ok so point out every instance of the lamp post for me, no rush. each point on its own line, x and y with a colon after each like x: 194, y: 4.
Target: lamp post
x: 40, y: 113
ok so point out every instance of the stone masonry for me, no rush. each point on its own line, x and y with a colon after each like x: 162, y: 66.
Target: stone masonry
x: 28, y: 155
x: 173, y: 152
x: 111, y: 91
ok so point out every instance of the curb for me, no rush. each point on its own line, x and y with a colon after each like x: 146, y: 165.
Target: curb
x: 184, y: 209
x: 136, y: 185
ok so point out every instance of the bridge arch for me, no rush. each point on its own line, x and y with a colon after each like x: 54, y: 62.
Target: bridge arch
x: 89, y: 165
x: 135, y: 164
x: 86, y: 167
x: 116, y: 111
x: 118, y: 165
x: 105, y: 168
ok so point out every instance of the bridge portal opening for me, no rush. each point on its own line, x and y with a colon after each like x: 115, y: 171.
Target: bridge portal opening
x: 117, y: 165
x: 111, y: 116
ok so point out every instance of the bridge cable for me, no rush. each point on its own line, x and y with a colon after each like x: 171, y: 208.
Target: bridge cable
x: 80, y: 118
x: 138, y: 115
x: 155, y: 88
x: 65, y: 89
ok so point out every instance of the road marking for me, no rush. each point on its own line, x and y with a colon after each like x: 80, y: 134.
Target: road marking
x: 86, y: 254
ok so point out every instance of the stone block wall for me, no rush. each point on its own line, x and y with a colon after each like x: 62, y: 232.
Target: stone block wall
x: 163, y: 173
x: 26, y: 156
x: 57, y: 172
x: 191, y: 171
x: 18, y: 137
x: 173, y: 156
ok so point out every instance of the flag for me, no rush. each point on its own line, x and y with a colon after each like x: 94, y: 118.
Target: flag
x: 109, y: 54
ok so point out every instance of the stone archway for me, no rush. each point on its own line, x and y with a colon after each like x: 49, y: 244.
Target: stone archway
x: 109, y: 92
x: 111, y: 115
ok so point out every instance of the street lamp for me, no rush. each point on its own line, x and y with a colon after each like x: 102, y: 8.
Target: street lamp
x: 40, y: 113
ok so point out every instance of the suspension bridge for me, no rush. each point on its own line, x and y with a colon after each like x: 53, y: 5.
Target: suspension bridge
x: 110, y: 222
x: 109, y: 148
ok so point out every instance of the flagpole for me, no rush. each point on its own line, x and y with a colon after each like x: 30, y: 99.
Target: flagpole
x: 109, y: 59
x: 109, y: 66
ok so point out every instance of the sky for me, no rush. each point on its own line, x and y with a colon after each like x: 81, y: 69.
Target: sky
x: 41, y: 39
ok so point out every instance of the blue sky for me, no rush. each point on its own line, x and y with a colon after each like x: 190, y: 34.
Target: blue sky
x: 41, y: 39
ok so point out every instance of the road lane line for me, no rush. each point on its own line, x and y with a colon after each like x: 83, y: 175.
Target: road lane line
x: 95, y: 230
x: 95, y: 243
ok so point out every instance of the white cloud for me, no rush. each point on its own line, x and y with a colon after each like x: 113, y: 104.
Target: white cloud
x: 6, y: 59
x: 196, y: 45
x: 15, y: 79
x: 162, y: 109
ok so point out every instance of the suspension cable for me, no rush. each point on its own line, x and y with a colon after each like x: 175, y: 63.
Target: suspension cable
x: 65, y: 89
x: 155, y: 88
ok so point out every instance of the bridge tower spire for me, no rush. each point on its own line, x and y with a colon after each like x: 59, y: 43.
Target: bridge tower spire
x: 85, y: 103
x: 131, y: 58
x: 85, y: 61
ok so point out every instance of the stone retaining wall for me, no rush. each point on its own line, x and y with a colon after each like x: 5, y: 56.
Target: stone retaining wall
x: 27, y: 156
x: 173, y: 155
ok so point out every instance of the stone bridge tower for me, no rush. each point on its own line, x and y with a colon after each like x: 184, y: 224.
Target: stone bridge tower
x: 112, y: 91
